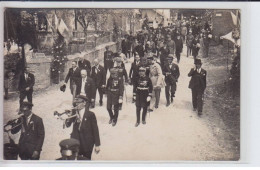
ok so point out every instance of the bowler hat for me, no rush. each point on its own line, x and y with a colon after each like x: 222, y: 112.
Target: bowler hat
x: 63, y: 88
x: 197, y: 61
x: 69, y: 144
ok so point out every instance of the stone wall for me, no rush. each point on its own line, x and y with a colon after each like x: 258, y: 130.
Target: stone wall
x: 40, y: 67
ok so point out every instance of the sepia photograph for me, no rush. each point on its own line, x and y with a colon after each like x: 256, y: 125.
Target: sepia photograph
x: 121, y: 84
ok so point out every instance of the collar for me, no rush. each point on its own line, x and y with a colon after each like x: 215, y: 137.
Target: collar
x: 199, y: 70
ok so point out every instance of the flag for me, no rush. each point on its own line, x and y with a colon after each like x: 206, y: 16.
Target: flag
x: 50, y: 25
x: 234, y: 18
x: 56, y: 21
x: 63, y: 29
x: 228, y: 37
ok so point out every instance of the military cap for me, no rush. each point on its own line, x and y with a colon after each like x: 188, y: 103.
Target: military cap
x: 69, y: 144
x: 197, y: 61
x: 63, y: 88
x: 113, y: 71
x: 142, y: 69
x: 170, y: 57
x: 118, y: 59
x: 27, y: 104
x: 82, y: 97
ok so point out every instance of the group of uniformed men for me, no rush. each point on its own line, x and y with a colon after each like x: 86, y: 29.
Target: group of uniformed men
x: 147, y: 76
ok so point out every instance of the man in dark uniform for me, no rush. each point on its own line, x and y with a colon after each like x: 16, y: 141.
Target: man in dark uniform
x: 69, y: 149
x: 171, y: 73
x: 108, y: 59
x: 142, y: 94
x: 99, y: 76
x: 197, y: 85
x: 32, y: 133
x: 25, y: 86
x: 75, y: 79
x: 85, y: 128
x: 115, y: 90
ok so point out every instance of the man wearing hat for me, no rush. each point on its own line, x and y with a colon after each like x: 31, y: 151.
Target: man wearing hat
x: 172, y: 73
x: 179, y: 47
x: 142, y: 92
x: 189, y: 41
x: 25, y: 86
x: 85, y: 128
x: 32, y: 133
x: 69, y: 149
x: 115, y: 90
x: 156, y: 76
x: 197, y: 85
x: 108, y: 59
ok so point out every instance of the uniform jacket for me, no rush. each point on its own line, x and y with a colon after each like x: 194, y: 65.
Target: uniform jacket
x: 171, y: 74
x: 198, y: 80
x: 23, y: 84
x: 122, y: 72
x: 142, y: 89
x: 98, y: 76
x: 74, y: 77
x: 87, y: 133
x: 89, y: 89
x: 32, y: 135
x: 115, y: 90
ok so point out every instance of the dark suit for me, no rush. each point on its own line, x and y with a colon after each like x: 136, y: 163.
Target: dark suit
x: 23, y: 84
x: 99, y: 77
x: 85, y: 64
x: 32, y: 137
x: 87, y: 133
x: 133, y: 74
x: 89, y: 88
x: 171, y: 77
x: 179, y: 47
x: 197, y: 85
x: 75, y: 79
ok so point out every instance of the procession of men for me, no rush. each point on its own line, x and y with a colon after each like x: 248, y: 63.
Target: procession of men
x: 155, y: 70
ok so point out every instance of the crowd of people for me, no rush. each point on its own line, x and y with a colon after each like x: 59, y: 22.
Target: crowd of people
x: 156, y: 55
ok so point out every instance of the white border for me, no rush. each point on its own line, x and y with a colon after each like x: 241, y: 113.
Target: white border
x: 246, y: 60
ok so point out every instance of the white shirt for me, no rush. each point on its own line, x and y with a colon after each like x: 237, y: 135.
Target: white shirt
x: 26, y: 76
x: 82, y: 91
x: 198, y: 70
x: 81, y: 115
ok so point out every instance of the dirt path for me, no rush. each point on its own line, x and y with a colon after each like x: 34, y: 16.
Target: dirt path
x: 171, y: 133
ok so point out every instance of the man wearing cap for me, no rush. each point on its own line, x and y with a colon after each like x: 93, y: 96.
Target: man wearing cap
x: 108, y: 59
x: 85, y: 128
x: 172, y: 73
x: 156, y: 76
x: 87, y: 87
x: 32, y: 133
x: 142, y: 92
x: 179, y: 47
x: 75, y: 78
x: 197, y: 85
x: 69, y: 149
x: 99, y: 76
x: 25, y: 86
x: 189, y: 41
x: 115, y: 90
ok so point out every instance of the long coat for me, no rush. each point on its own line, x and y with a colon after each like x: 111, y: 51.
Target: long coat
x: 32, y: 135
x: 142, y: 89
x: 115, y: 90
x: 75, y: 78
x: 198, y: 80
x: 23, y: 84
x: 98, y: 76
x: 88, y: 133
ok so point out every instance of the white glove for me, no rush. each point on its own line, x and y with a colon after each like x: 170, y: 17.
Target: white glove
x: 134, y: 97
x: 148, y: 98
x: 120, y: 101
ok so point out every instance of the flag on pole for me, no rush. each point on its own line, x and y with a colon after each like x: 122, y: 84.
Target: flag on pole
x: 63, y: 29
x: 56, y: 21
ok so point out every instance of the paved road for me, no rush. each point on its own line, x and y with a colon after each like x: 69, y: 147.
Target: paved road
x: 171, y: 133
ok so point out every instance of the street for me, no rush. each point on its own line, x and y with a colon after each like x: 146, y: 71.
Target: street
x: 171, y: 133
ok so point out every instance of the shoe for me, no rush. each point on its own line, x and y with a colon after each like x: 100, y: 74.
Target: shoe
x: 194, y: 109
x: 168, y: 104
x: 156, y: 107
x: 150, y: 110
x: 100, y: 103
x: 199, y: 113
x: 144, y: 122
x: 113, y: 123
x: 110, y: 121
x: 137, y: 124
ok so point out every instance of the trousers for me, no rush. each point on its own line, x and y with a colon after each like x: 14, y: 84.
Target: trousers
x: 197, y: 99
x: 138, y: 110
x: 170, y: 91
x: 112, y: 115
x: 24, y: 94
x: 155, y: 98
